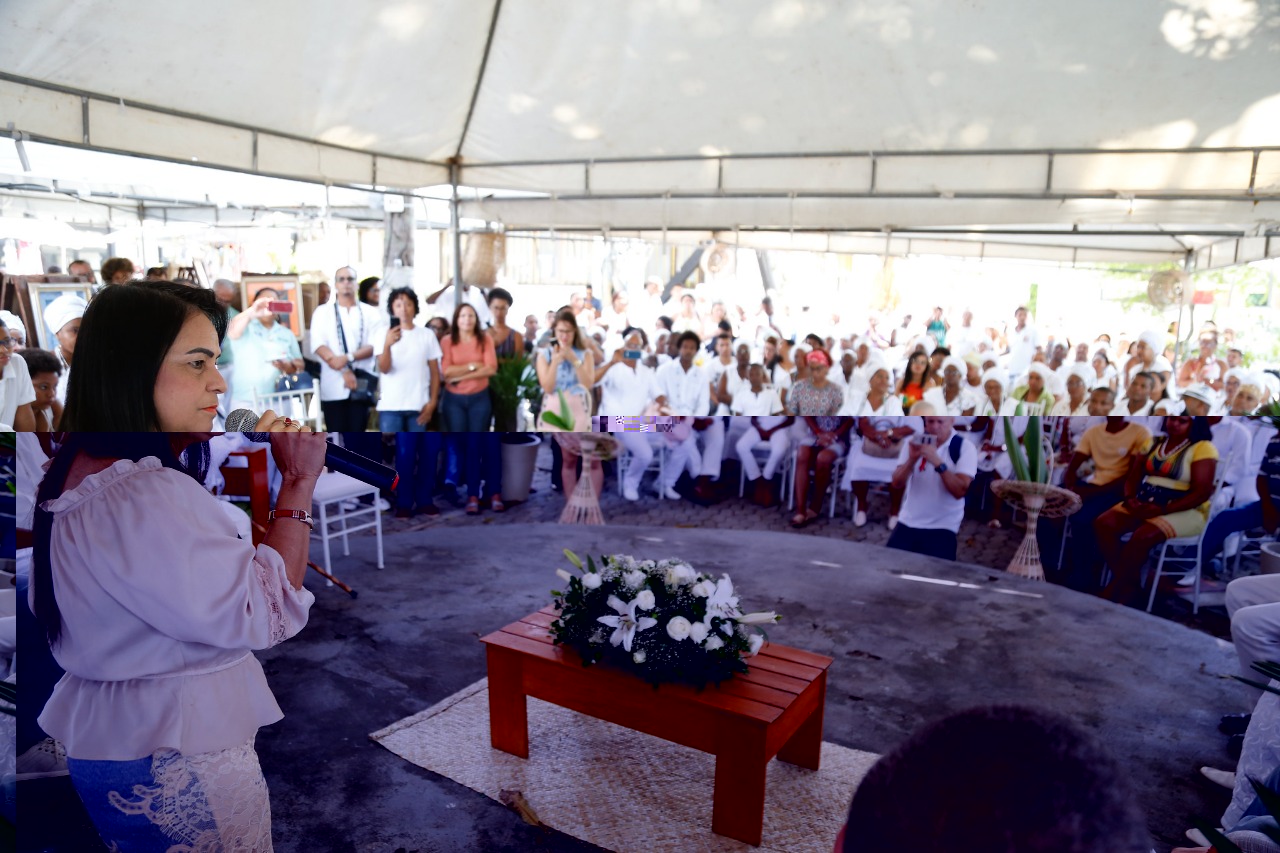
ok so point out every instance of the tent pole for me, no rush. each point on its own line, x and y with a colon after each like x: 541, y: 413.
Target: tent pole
x: 455, y: 225
x: 1177, y: 333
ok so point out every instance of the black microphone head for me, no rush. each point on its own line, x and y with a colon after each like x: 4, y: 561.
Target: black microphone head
x: 243, y: 420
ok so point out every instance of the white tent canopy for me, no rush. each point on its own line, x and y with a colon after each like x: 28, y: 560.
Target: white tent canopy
x: 1156, y: 117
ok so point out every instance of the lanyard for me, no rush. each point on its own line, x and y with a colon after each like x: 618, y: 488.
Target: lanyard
x: 342, y: 333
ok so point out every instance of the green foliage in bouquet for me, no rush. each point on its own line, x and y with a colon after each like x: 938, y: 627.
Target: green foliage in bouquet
x: 1028, y: 462
x: 661, y: 620
x: 562, y: 420
x: 1270, y: 413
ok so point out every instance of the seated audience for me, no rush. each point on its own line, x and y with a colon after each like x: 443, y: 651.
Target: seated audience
x: 45, y: 370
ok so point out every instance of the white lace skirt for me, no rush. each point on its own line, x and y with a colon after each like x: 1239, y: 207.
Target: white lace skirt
x: 175, y: 803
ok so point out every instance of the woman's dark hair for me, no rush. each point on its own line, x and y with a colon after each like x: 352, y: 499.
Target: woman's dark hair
x: 406, y: 292
x: 666, y: 322
x: 133, y: 446
x: 1200, y: 430
x: 689, y: 336
x: 1000, y: 778
x: 633, y: 330
x: 565, y: 315
x: 362, y: 290
x: 500, y: 293
x: 1105, y: 359
x: 818, y: 343
x: 113, y: 385
x: 924, y: 377
x: 40, y: 361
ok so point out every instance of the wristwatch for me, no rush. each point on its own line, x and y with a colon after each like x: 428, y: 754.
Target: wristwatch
x: 941, y: 468
x: 351, y: 358
x: 471, y: 367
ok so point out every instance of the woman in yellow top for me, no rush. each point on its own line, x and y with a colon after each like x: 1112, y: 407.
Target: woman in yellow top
x: 1167, y: 494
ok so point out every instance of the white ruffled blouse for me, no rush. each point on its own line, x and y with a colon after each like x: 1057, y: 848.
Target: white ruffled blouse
x: 161, y: 606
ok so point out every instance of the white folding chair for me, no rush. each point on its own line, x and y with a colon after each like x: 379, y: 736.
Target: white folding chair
x: 789, y: 479
x: 333, y: 489
x: 1192, y: 544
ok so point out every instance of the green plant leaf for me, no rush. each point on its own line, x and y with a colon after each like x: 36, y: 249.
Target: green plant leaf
x: 573, y: 558
x: 1014, y: 448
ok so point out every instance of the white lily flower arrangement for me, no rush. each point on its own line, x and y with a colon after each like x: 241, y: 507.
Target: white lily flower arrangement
x: 663, y: 620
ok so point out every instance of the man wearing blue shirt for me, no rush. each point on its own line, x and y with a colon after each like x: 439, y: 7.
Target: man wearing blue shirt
x: 262, y: 349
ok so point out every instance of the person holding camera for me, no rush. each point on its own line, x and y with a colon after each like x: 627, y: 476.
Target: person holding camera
x: 935, y: 475
x: 262, y: 349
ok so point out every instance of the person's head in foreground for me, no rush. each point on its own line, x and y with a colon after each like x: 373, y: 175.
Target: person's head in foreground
x: 1004, y: 778
x: 163, y: 380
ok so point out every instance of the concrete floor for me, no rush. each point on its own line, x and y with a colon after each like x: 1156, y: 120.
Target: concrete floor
x: 906, y: 652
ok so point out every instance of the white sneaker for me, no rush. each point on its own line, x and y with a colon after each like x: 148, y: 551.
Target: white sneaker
x: 45, y: 759
x: 1188, y: 579
x: 669, y: 493
x: 351, y: 505
x: 1225, y: 778
x: 893, y: 521
x: 860, y: 519
x: 1198, y: 838
x: 630, y: 493
x: 384, y: 505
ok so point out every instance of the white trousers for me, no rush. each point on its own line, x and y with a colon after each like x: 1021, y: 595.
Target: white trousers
x: 701, y: 454
x: 640, y: 445
x: 779, y: 443
x: 1253, y: 603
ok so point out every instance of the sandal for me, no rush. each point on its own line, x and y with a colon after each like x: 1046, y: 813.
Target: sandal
x: 799, y: 520
x: 496, y: 504
x: 995, y: 524
x: 473, y: 506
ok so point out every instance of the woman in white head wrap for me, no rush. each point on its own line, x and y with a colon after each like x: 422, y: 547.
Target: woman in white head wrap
x: 17, y: 329
x: 1076, y: 402
x: 995, y: 384
x: 1231, y: 382
x: 952, y: 397
x: 1150, y: 345
x: 62, y: 316
x: 1032, y: 395
x: 883, y: 430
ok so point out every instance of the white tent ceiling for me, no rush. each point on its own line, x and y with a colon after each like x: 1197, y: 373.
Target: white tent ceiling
x: 906, y: 115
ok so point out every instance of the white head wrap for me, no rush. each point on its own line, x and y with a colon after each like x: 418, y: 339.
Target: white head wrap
x: 1153, y: 339
x: 958, y: 364
x: 12, y: 321
x: 1085, y: 371
x: 999, y: 376
x: 63, y: 310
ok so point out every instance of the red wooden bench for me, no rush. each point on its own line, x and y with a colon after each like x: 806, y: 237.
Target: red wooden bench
x: 774, y: 709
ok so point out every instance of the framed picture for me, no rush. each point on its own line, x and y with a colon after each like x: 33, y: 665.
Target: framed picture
x: 288, y: 288
x: 41, y: 290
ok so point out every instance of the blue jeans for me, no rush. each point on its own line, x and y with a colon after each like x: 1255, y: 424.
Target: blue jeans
x: 399, y: 422
x: 1237, y: 520
x: 417, y: 455
x: 931, y: 543
x: 466, y: 412
x: 40, y: 672
x: 482, y: 457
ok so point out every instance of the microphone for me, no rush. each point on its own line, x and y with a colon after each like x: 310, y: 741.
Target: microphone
x: 340, y: 459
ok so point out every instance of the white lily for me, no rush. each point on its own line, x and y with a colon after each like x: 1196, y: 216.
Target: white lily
x: 723, y: 603
x: 756, y: 642
x: 626, y: 623
x: 762, y: 618
x: 563, y: 575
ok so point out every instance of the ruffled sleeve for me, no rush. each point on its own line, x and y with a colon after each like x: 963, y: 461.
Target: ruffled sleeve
x: 159, y: 545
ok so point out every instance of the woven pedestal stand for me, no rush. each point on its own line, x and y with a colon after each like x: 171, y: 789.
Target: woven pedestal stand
x: 1036, y: 500
x: 583, y: 506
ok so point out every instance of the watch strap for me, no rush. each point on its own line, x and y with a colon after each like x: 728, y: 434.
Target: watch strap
x: 296, y: 514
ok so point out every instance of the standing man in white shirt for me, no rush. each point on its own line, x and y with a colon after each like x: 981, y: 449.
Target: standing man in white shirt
x: 684, y: 390
x: 936, y: 474
x: 342, y: 348
x: 1023, y: 342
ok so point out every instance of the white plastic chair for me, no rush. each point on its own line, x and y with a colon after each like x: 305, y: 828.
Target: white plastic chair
x: 1196, y: 546
x: 335, y: 489
x: 789, y: 479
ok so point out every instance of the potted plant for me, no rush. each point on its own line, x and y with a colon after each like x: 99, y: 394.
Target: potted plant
x: 514, y: 382
x: 1031, y: 490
